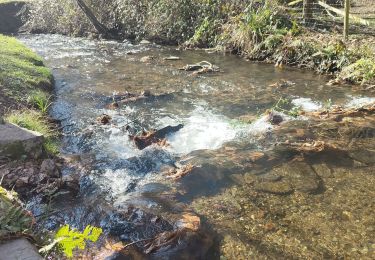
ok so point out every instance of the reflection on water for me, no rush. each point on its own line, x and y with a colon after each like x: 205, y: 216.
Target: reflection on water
x: 214, y: 137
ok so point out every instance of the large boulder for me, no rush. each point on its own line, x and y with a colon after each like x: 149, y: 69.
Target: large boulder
x: 17, y: 142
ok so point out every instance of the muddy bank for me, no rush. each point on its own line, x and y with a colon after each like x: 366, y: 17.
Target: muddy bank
x: 12, y: 16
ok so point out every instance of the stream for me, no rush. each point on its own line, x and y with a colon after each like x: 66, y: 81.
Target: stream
x: 125, y: 190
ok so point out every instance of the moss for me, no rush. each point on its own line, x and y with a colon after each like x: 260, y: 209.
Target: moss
x: 21, y: 70
x: 36, y: 121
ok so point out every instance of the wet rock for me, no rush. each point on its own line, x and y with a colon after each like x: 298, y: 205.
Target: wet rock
x: 104, y: 119
x: 278, y: 188
x: 363, y: 155
x: 300, y: 176
x: 49, y: 168
x: 146, y: 93
x: 274, y: 118
x: 154, y: 137
x: 113, y: 105
x: 71, y: 183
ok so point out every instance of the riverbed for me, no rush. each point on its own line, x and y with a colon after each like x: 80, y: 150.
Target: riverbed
x: 254, y: 200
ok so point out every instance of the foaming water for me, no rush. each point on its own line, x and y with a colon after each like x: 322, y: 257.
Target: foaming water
x: 307, y: 104
x: 202, y: 130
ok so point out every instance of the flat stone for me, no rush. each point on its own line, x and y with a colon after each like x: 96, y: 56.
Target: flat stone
x: 17, y: 142
x: 19, y: 249
x: 301, y: 176
x: 278, y: 188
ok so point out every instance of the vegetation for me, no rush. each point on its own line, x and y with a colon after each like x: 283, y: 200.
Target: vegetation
x: 36, y: 121
x: 22, y: 72
x: 259, y: 30
x: 13, y: 218
x: 70, y: 239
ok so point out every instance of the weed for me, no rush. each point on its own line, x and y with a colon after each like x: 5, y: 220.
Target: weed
x: 40, y: 100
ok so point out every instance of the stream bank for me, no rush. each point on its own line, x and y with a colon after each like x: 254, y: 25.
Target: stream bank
x: 264, y: 32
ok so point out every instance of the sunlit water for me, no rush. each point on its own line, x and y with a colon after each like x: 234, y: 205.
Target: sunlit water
x: 88, y: 73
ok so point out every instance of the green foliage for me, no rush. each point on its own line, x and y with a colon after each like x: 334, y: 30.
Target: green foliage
x: 363, y: 70
x: 70, y: 239
x: 21, y: 70
x: 40, y: 100
x: 285, y: 106
x: 13, y: 218
x: 36, y: 121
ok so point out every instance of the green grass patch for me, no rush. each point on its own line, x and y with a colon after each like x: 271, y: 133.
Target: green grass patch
x: 36, y: 121
x: 21, y: 70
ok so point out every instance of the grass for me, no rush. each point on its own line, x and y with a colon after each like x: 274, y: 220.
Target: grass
x: 36, y: 121
x: 40, y: 100
x: 21, y: 70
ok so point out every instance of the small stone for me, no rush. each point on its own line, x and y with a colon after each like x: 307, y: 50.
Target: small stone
x: 146, y: 93
x: 104, y: 119
x: 275, y: 119
x: 49, y: 168
x: 145, y: 42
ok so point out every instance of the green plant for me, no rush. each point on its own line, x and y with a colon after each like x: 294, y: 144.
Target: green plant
x: 40, y: 100
x: 13, y: 218
x: 285, y: 106
x: 69, y: 239
x: 362, y: 71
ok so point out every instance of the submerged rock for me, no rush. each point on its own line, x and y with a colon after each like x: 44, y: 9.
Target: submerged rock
x: 291, y: 176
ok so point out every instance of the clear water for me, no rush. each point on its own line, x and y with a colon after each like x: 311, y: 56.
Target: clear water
x: 88, y: 73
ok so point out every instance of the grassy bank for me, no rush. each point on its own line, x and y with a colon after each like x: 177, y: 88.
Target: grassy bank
x: 25, y: 86
x: 258, y: 30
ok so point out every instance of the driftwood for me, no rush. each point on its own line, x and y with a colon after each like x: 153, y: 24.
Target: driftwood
x: 154, y: 137
x: 101, y: 28
x: 201, y: 67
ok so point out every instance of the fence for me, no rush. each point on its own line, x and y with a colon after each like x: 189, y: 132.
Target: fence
x: 346, y: 16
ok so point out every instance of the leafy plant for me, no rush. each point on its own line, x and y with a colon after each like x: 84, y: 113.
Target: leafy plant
x: 13, y: 218
x: 285, y: 106
x: 69, y: 239
x: 40, y: 100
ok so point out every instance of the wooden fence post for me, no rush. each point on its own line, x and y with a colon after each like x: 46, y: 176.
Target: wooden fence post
x: 346, y: 19
x: 307, y: 10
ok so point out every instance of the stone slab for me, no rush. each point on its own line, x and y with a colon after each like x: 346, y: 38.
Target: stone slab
x: 17, y: 142
x: 19, y: 249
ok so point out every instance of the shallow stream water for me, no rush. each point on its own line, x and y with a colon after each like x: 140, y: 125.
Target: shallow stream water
x: 216, y: 137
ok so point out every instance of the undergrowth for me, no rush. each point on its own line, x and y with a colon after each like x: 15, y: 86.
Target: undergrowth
x: 259, y: 30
